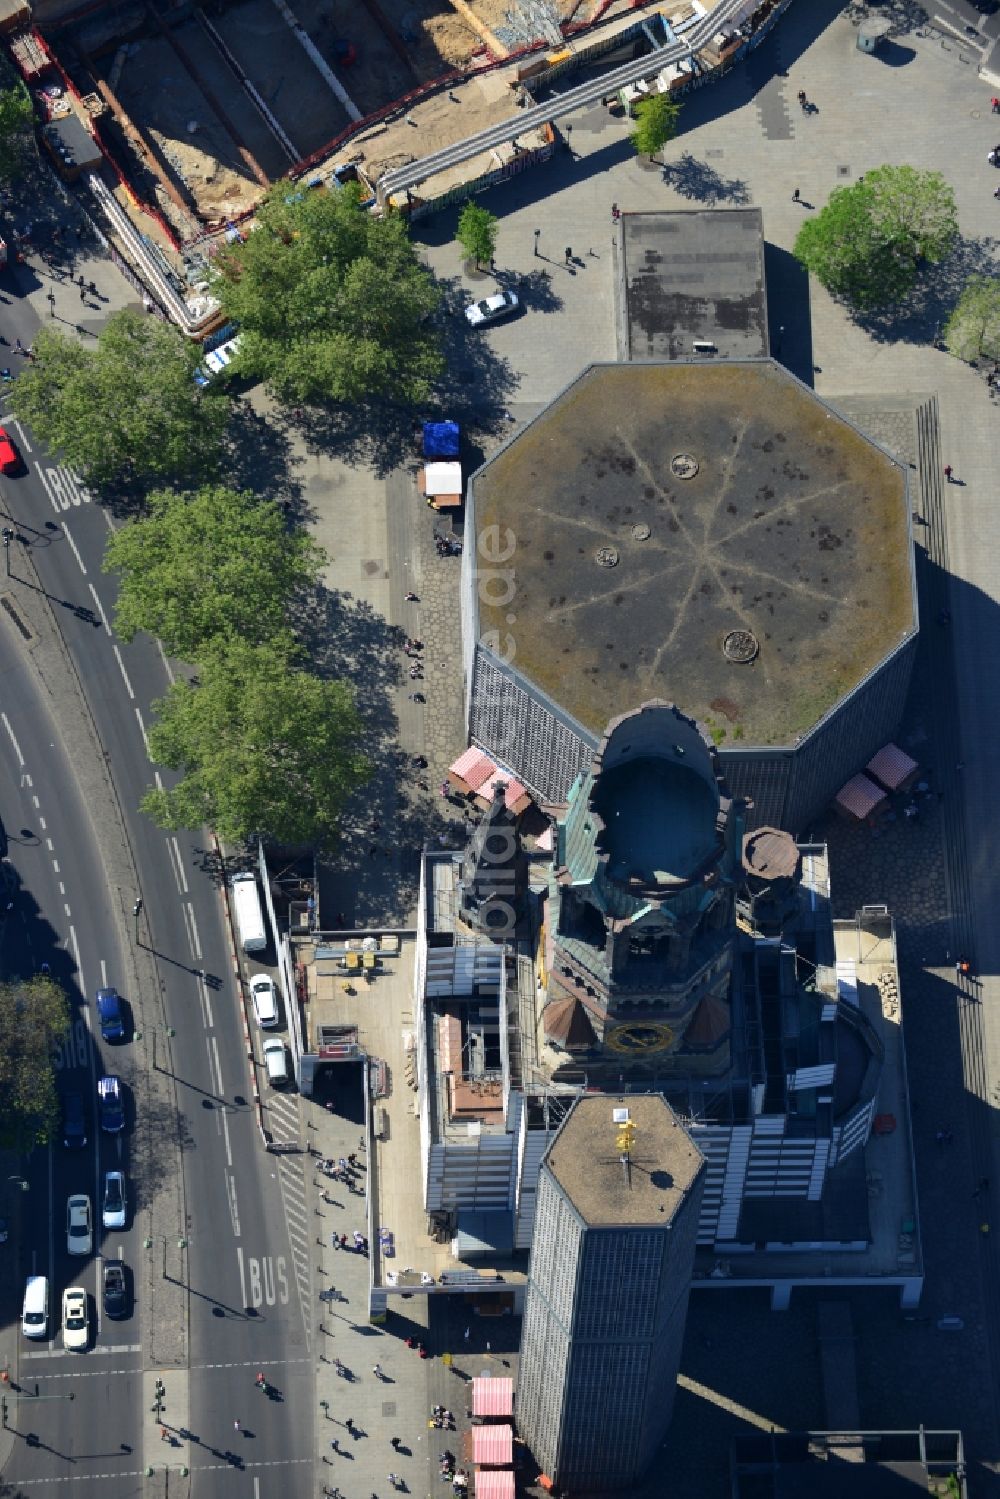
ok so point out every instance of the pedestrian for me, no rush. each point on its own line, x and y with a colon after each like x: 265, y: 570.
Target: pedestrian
x: 164, y: 1434
x: 467, y: 1333
x: 796, y: 196
x: 377, y: 1371
x: 343, y: 1241
x: 412, y: 598
x: 948, y: 471
x: 349, y: 1423
x: 334, y: 1445
x: 395, y: 1480
x: 394, y: 1443
x: 995, y: 106
x: 236, y: 1425
x: 83, y: 294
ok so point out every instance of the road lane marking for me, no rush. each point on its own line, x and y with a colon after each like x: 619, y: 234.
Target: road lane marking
x: 194, y: 933
x: 55, y: 862
x: 206, y: 1002
x: 110, y: 1348
x: 104, y: 974
x: 225, y: 1136
x: 142, y: 731
x: 13, y: 738
x: 218, y: 1066
x: 186, y: 913
x: 12, y: 421
x: 76, y: 551
x: 182, y: 877
x: 100, y: 607
x: 124, y: 673
x: 166, y: 664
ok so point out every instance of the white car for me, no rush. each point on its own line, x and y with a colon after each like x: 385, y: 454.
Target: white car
x: 276, y: 1062
x: 79, y: 1225
x: 75, y: 1319
x: 265, y: 1001
x: 113, y: 1211
x: 501, y: 304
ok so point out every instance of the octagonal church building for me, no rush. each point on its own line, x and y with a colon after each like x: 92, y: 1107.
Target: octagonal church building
x: 697, y: 529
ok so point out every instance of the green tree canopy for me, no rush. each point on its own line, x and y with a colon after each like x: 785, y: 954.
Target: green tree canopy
x: 867, y: 244
x: 655, y: 124
x: 477, y: 232
x: 973, y: 330
x: 208, y: 565
x: 34, y: 1019
x: 332, y: 303
x: 128, y: 407
x: 265, y: 748
x: 16, y: 122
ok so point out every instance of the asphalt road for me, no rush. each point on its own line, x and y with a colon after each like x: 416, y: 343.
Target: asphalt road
x: 245, y: 1292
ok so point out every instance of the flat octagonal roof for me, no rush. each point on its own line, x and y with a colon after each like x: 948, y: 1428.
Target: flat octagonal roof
x: 790, y: 536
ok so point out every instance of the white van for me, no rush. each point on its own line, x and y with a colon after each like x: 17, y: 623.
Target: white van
x: 276, y: 1062
x: 35, y: 1311
x: 248, y: 912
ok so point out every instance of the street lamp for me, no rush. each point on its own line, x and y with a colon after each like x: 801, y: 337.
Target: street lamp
x: 151, y: 1239
x: 168, y: 1031
x: 538, y: 233
x: 8, y: 537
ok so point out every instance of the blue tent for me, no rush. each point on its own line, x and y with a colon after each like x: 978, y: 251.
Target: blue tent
x: 440, y: 439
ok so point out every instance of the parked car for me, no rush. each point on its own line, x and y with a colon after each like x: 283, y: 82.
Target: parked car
x: 75, y: 1319
x: 110, y: 1015
x: 276, y: 1062
x: 114, y: 1209
x: 74, y: 1121
x: 491, y: 309
x: 111, y: 1104
x: 10, y: 458
x: 265, y: 1001
x: 115, y: 1289
x: 79, y: 1225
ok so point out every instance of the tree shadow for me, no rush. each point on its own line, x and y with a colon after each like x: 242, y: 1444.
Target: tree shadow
x: 695, y: 179
x: 258, y: 458
x: 921, y: 315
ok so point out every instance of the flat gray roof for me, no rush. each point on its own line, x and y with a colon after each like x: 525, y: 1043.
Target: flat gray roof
x: 653, y: 510
x: 585, y: 1161
x: 694, y: 275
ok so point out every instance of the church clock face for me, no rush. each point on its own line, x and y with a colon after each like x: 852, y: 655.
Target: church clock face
x: 640, y: 1040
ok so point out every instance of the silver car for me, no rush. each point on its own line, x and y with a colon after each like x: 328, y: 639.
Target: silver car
x: 79, y: 1225
x: 491, y: 309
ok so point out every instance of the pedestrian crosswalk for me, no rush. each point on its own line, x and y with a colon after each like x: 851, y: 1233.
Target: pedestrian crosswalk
x: 292, y: 1183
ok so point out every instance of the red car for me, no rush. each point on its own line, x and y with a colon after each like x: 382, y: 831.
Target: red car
x: 10, y: 458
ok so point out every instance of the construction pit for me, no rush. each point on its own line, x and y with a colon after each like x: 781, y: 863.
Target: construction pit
x: 203, y: 108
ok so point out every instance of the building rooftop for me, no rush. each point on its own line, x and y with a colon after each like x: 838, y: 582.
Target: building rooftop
x: 586, y: 1162
x: 670, y: 520
x: 696, y: 275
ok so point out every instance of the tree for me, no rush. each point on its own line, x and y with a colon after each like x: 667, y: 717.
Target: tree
x: 128, y: 407
x: 265, y: 748
x: 655, y: 124
x: 867, y: 244
x: 332, y: 302
x: 208, y: 565
x: 34, y: 1019
x: 16, y: 122
x: 973, y: 330
x: 477, y: 233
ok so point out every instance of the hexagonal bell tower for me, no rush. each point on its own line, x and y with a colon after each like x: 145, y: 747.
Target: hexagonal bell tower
x: 642, y: 925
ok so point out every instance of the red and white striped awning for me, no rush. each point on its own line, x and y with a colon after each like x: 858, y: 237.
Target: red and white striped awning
x: 492, y: 1397
x: 493, y: 1445
x: 494, y: 1483
x: 892, y: 767
x: 860, y: 797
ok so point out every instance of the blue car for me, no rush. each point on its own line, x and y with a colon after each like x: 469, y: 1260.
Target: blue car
x: 109, y: 1013
x: 111, y: 1104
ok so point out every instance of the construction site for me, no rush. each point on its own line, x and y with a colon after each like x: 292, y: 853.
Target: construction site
x: 179, y: 116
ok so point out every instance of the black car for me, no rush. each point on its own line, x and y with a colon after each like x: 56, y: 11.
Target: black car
x: 115, y: 1289
x: 74, y: 1121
